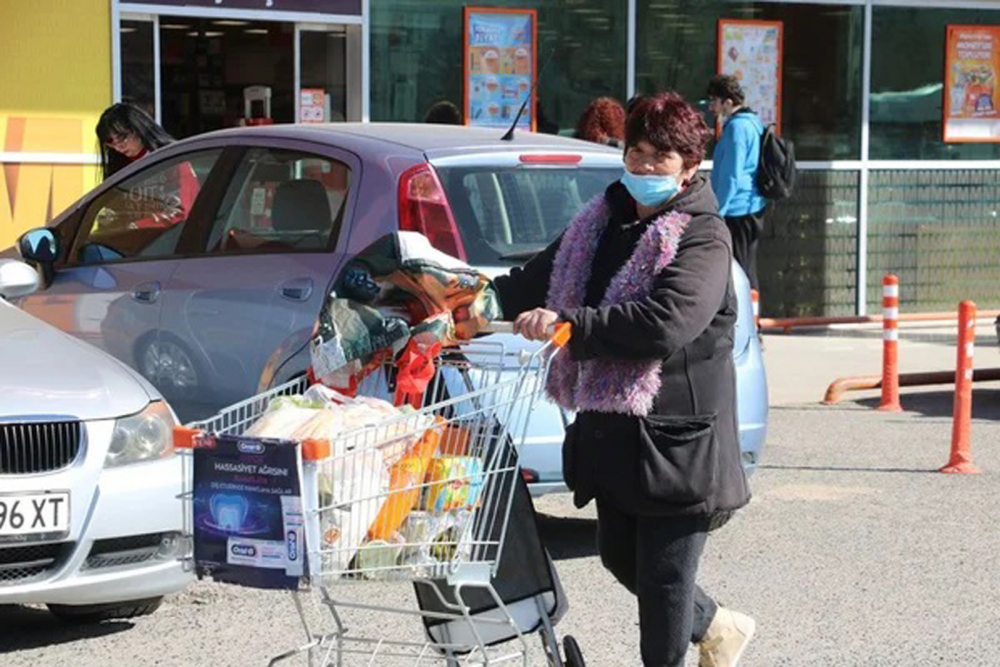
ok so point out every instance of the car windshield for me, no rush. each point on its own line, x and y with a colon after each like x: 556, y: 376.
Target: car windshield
x: 506, y: 214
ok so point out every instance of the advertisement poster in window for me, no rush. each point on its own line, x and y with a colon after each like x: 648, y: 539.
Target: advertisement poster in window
x: 972, y: 67
x: 313, y: 105
x: 751, y: 52
x: 499, y: 62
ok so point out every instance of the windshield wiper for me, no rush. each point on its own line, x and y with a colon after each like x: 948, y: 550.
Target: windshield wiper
x: 522, y: 254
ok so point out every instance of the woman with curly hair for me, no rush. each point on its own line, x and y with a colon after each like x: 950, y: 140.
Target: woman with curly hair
x: 643, y: 275
x: 603, y: 122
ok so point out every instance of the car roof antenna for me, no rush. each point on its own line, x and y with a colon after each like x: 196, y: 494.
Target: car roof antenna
x: 531, y: 93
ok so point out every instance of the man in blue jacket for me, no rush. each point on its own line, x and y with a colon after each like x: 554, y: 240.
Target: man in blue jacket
x: 734, y: 170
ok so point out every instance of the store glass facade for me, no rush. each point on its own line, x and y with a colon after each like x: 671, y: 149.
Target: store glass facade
x: 907, y: 89
x: 676, y: 47
x: 806, y: 261
x: 937, y: 229
x: 416, y: 48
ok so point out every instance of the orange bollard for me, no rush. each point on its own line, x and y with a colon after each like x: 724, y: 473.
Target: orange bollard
x: 961, y: 446
x: 755, y: 302
x: 890, y: 345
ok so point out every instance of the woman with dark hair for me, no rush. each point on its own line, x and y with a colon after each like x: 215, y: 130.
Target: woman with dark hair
x: 643, y: 276
x: 127, y: 133
x: 603, y: 122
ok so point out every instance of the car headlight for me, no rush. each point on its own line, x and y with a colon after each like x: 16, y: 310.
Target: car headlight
x: 144, y: 436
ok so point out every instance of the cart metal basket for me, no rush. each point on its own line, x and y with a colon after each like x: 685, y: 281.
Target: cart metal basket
x: 421, y: 495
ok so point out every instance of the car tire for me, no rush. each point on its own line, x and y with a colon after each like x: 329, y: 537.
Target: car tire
x: 95, y: 613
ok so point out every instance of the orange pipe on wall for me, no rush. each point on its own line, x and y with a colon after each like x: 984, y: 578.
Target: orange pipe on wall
x: 788, y: 323
x: 862, y: 382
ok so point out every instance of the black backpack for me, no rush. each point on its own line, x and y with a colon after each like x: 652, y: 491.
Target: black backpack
x: 776, y: 171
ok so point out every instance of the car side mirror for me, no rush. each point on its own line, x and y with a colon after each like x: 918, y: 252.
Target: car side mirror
x: 40, y: 246
x: 16, y: 279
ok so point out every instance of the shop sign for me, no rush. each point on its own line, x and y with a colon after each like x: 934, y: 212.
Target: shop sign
x: 499, y: 66
x: 751, y: 52
x: 345, y: 7
x: 972, y: 65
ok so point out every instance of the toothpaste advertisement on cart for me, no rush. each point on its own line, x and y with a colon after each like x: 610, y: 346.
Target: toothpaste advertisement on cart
x: 249, y: 527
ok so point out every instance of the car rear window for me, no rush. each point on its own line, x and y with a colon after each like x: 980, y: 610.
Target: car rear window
x: 506, y: 214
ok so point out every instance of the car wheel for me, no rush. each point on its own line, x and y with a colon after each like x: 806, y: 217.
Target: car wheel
x: 95, y: 613
x: 170, y: 368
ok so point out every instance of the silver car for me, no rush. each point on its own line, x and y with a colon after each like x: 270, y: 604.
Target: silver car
x: 90, y: 523
x: 212, y: 292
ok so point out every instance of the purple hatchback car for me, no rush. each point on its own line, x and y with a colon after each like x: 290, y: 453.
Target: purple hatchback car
x: 212, y: 291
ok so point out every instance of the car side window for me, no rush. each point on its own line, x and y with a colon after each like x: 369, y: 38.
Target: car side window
x: 143, y: 216
x: 281, y: 201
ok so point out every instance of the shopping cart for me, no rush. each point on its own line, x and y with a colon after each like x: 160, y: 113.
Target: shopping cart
x: 373, y: 505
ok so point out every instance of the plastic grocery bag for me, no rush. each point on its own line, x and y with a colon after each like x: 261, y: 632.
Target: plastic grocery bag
x: 399, y: 293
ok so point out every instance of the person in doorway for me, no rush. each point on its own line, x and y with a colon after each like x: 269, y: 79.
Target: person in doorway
x: 444, y: 113
x: 642, y: 274
x: 734, y: 170
x: 127, y: 134
x: 603, y: 122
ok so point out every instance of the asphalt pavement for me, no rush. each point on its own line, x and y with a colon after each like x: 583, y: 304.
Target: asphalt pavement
x: 854, y: 550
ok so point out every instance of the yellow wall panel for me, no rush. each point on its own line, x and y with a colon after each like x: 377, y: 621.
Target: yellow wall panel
x: 32, y: 194
x: 68, y: 183
x: 7, y: 232
x: 57, y: 57
x: 55, y: 80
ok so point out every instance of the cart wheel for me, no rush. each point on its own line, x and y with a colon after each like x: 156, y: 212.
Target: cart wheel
x: 574, y: 657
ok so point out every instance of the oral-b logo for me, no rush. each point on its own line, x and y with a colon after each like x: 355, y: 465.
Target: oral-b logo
x: 250, y: 447
x: 292, y: 545
x: 244, y: 550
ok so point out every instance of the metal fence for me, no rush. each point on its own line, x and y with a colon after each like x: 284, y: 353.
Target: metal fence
x: 807, y: 254
x: 939, y: 232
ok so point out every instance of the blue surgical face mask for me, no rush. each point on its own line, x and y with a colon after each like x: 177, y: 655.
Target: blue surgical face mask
x: 651, y: 190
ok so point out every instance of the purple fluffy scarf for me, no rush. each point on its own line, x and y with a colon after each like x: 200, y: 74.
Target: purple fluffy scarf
x: 606, y: 385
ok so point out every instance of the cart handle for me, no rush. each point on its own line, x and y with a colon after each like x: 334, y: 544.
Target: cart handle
x: 559, y: 333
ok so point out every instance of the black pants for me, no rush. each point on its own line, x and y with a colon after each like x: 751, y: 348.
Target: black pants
x: 745, y: 230
x: 656, y: 558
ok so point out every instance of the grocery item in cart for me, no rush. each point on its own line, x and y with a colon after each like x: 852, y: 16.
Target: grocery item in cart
x: 431, y: 539
x: 351, y: 492
x: 406, y: 483
x: 454, y: 482
x: 323, y: 414
x: 398, y: 289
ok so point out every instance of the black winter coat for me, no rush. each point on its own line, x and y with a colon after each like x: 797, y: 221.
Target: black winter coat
x: 648, y: 465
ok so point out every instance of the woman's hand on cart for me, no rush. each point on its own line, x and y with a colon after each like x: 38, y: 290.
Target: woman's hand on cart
x: 539, y: 324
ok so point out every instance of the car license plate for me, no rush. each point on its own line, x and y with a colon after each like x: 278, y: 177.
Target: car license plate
x: 29, y: 517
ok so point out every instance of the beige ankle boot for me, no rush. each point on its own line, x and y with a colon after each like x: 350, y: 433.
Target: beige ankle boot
x: 727, y: 637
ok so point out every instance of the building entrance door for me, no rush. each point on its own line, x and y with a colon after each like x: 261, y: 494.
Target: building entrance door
x: 199, y: 74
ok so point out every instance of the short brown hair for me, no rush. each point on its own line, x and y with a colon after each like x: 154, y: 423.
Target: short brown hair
x: 669, y: 123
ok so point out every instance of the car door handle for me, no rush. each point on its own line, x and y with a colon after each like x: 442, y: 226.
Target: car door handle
x: 298, y: 289
x: 146, y: 292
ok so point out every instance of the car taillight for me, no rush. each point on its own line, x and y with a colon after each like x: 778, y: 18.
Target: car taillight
x: 423, y: 207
